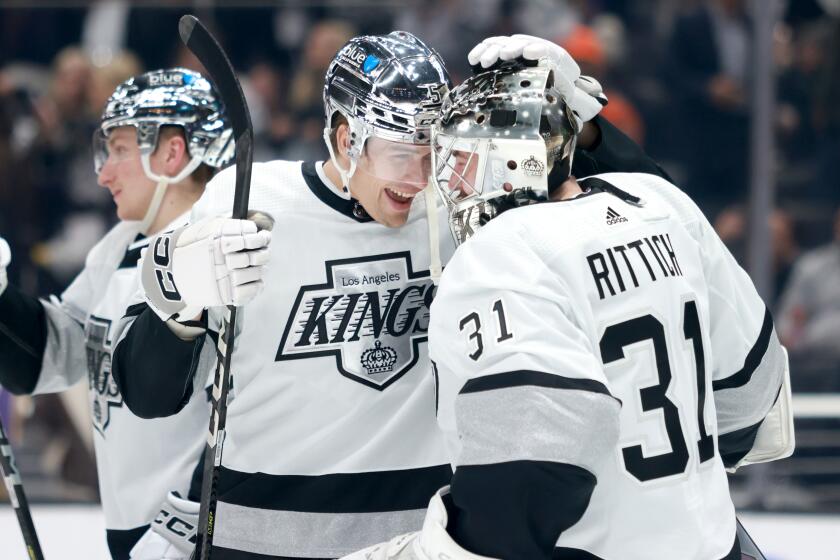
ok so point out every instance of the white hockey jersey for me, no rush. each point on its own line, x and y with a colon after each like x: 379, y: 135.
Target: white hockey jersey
x: 138, y: 461
x: 332, y: 443
x: 618, y: 345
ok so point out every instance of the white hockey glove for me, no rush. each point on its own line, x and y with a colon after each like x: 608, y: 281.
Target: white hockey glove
x: 430, y: 543
x: 583, y: 94
x: 5, y: 259
x: 172, y: 534
x: 774, y: 439
x: 214, y: 262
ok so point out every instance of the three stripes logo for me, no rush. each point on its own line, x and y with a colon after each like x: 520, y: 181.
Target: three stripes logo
x: 614, y: 217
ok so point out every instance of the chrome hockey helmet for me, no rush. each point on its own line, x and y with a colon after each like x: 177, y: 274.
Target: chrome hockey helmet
x: 387, y: 86
x: 499, y: 136
x: 170, y: 97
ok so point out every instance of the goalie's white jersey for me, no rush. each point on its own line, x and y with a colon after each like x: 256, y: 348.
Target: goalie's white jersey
x: 138, y: 461
x: 331, y: 441
x: 598, y: 336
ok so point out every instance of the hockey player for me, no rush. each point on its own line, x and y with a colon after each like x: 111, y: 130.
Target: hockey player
x: 600, y: 356
x: 162, y: 136
x: 331, y: 441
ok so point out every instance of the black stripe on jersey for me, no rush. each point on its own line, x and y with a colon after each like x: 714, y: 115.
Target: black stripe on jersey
x: 165, y: 386
x: 366, y: 492
x: 132, y: 253
x: 573, y: 554
x: 753, y: 359
x: 537, y: 378
x: 349, y: 207
x: 23, y: 339
x: 516, y: 510
x: 221, y: 553
x: 120, y: 542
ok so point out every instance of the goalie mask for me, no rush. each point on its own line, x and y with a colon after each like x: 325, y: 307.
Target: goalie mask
x: 500, y: 135
x: 172, y: 97
x: 388, y: 87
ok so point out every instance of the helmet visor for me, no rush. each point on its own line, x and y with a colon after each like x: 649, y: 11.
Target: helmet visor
x: 115, y: 148
x: 396, y: 162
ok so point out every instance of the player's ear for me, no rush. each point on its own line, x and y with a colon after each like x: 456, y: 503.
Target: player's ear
x: 175, y: 154
x: 342, y: 139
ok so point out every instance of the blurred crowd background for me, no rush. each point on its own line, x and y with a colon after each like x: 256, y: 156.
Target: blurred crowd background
x: 679, y: 75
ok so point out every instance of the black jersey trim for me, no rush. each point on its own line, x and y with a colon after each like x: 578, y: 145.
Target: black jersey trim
x: 121, y: 541
x: 365, y: 492
x: 132, y: 253
x: 516, y: 509
x: 564, y: 553
x: 753, y: 359
x: 349, y: 207
x: 537, y: 378
x: 596, y: 185
x: 222, y: 553
x: 23, y: 340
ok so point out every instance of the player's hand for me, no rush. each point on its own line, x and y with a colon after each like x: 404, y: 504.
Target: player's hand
x: 5, y: 259
x: 172, y: 534
x: 583, y: 94
x: 214, y: 262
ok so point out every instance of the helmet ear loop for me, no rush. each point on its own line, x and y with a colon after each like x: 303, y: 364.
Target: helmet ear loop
x: 162, y: 181
x: 345, y: 174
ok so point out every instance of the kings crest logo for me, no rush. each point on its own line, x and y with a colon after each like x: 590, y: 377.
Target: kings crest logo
x: 378, y: 359
x: 371, y: 314
x: 533, y: 167
x: 104, y: 393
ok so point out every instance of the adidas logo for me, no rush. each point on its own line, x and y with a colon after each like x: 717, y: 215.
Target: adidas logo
x: 614, y: 217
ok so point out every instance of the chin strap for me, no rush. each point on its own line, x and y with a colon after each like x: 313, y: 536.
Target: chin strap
x: 430, y: 196
x: 160, y: 189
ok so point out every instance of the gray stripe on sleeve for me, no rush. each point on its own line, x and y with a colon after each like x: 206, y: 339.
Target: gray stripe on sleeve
x: 536, y: 423
x: 65, y: 357
x: 745, y: 405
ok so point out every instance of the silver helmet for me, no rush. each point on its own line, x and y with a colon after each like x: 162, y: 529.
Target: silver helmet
x: 386, y: 86
x: 499, y: 136
x: 171, y: 97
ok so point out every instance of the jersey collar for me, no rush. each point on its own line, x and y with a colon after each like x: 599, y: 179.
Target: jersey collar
x: 350, y: 207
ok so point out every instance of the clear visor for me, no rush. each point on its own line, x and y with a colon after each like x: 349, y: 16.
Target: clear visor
x: 459, y: 167
x: 396, y: 162
x: 114, y: 147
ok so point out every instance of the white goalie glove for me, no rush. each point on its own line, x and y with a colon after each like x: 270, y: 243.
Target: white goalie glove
x: 583, y: 94
x: 172, y: 534
x: 430, y: 543
x: 774, y: 439
x: 213, y: 262
x: 5, y: 259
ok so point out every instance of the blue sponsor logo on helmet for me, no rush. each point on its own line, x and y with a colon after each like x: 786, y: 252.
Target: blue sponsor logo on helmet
x: 370, y: 64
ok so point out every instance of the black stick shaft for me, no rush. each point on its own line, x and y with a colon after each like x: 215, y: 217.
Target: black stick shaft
x: 18, y: 497
x: 208, y: 51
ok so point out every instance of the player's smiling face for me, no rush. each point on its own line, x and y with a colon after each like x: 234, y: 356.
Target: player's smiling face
x: 388, y: 177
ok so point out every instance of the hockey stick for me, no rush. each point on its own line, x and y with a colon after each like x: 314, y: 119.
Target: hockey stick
x: 208, y: 51
x: 18, y: 498
x: 749, y: 550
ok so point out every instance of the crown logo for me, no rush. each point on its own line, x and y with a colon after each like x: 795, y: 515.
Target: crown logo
x: 533, y: 166
x: 379, y: 359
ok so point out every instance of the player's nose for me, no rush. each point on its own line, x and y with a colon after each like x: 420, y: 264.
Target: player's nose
x: 106, y: 175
